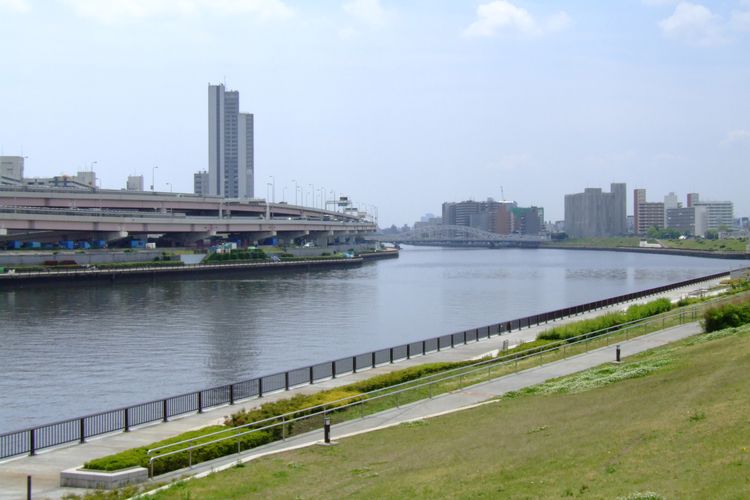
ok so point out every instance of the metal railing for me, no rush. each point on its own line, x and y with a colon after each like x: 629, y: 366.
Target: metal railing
x: 30, y: 440
x: 481, y: 371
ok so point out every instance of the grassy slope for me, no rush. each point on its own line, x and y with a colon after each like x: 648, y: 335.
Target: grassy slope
x: 704, y: 245
x: 682, y: 431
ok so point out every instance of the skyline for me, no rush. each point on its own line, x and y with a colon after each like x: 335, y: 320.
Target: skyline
x: 402, y: 106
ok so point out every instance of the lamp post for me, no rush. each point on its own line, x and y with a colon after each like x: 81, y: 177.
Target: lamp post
x: 295, y: 191
x: 312, y: 193
x: 333, y: 200
x: 283, y: 194
x: 153, y: 176
x: 273, y: 186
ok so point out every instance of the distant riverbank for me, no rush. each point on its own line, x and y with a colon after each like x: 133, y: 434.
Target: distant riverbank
x: 657, y: 251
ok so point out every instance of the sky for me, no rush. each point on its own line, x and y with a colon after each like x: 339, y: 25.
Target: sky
x: 401, y: 105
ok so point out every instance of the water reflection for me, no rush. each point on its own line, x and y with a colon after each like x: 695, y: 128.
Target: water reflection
x: 71, y: 350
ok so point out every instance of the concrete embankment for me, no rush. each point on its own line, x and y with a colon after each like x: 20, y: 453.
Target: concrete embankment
x: 139, y: 273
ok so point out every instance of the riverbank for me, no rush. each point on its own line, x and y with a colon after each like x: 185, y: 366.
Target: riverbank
x: 645, y: 425
x: 46, y: 466
x: 655, y: 251
x: 154, y: 272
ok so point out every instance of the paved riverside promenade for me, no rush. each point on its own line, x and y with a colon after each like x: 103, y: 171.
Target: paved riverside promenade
x: 46, y: 466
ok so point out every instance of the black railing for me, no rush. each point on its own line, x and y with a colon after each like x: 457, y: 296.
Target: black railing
x: 28, y: 441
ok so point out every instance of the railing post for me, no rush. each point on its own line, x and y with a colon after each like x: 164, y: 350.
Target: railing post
x: 408, y: 351
x: 391, y: 354
x: 286, y: 381
x: 312, y: 375
x: 231, y: 394
x: 164, y: 410
x: 126, y: 419
x: 32, y: 444
x: 464, y: 337
x: 354, y: 364
x: 452, y: 346
x: 82, y: 429
x: 200, y: 401
x: 373, y: 359
x: 333, y: 369
x: 260, y: 387
x: 424, y: 347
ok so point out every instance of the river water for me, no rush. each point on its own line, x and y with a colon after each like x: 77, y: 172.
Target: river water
x: 70, y: 350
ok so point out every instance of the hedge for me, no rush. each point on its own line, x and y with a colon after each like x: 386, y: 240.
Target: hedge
x: 138, y: 456
x: 726, y: 316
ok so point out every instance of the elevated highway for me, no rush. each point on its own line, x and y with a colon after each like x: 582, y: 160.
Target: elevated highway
x: 51, y: 215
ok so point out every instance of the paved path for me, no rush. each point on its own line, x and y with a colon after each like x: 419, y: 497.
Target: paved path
x: 46, y: 466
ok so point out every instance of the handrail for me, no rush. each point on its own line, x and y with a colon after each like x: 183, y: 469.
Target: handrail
x: 374, y: 395
x: 31, y: 439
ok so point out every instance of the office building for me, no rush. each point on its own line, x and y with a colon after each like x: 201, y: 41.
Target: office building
x: 11, y: 168
x: 230, y: 145
x: 200, y: 183
x: 501, y: 217
x: 690, y: 221
x: 719, y: 214
x: 595, y: 213
x: 135, y: 183
x: 692, y: 199
x: 639, y: 197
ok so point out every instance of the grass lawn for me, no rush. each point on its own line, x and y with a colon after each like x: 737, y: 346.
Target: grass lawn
x: 690, y: 244
x: 676, y: 422
x: 707, y: 245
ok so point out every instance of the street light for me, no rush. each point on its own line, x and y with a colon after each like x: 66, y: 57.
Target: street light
x: 170, y: 186
x: 312, y: 193
x: 283, y: 194
x: 153, y: 176
x: 273, y: 183
x: 295, y: 191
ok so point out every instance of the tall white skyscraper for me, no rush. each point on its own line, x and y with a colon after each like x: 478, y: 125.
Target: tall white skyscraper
x: 230, y: 145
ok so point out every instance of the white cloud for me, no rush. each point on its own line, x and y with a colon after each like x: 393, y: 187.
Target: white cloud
x: 502, y: 16
x: 740, y: 19
x: 122, y: 10
x: 20, y: 6
x: 367, y: 11
x: 739, y: 135
x: 694, y: 24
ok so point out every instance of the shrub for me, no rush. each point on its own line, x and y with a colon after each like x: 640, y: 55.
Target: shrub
x: 138, y: 456
x: 726, y: 316
x: 610, y: 320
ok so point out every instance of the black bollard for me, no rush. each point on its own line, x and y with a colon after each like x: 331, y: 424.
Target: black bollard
x: 327, y: 430
x: 617, y: 354
x: 28, y: 487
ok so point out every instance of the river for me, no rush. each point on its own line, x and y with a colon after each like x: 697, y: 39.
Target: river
x: 70, y: 350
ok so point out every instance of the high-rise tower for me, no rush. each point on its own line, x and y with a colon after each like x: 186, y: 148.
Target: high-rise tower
x: 230, y: 145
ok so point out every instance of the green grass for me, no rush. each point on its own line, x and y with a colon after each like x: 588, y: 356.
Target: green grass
x: 739, y: 245
x: 670, y: 423
x: 613, y: 242
x: 707, y: 245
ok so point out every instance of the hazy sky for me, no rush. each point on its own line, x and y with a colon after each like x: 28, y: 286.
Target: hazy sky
x: 402, y: 105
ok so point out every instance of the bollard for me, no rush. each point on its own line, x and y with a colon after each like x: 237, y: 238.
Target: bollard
x: 327, y: 430
x: 617, y: 354
x: 28, y: 487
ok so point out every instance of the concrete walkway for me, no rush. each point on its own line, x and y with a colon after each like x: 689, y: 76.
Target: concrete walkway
x: 47, y: 465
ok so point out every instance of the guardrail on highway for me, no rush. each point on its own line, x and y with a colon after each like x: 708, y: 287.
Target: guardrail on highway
x: 30, y: 440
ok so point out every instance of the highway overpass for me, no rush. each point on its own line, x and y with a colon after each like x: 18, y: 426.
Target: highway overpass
x: 52, y: 215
